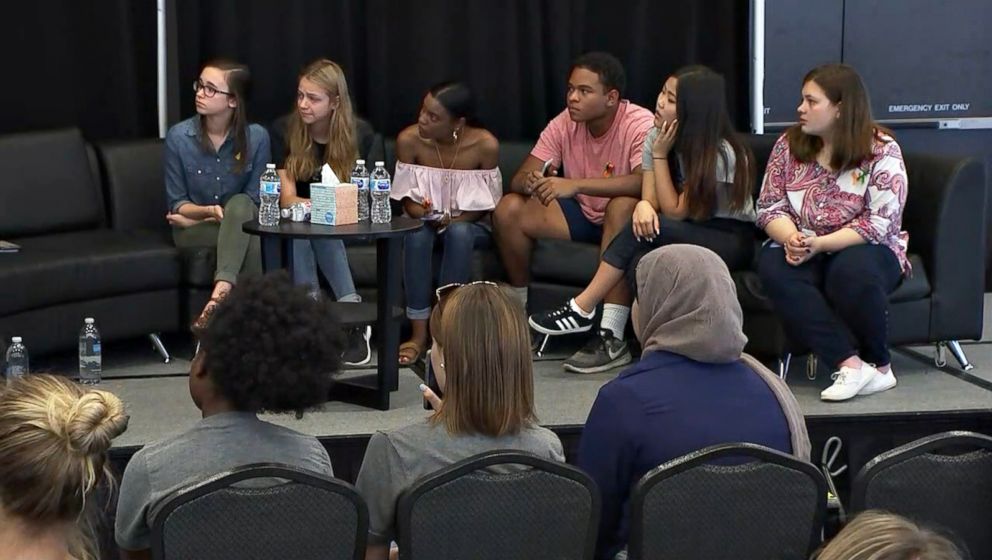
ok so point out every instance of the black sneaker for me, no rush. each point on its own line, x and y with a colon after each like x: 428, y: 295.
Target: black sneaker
x: 602, y: 352
x: 358, y: 351
x: 562, y: 320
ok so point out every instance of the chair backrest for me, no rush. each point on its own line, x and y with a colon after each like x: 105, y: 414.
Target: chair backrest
x: 943, y: 481
x: 135, y: 180
x: 50, y: 184
x: 499, y: 505
x: 262, y: 511
x: 771, y: 506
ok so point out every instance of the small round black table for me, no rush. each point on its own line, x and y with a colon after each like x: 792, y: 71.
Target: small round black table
x: 277, y: 252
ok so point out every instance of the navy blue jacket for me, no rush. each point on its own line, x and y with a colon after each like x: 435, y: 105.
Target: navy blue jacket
x: 661, y: 408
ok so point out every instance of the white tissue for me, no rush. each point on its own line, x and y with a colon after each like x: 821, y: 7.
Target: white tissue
x: 327, y: 176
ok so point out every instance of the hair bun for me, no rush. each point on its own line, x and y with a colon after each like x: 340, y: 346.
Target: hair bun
x: 95, y: 419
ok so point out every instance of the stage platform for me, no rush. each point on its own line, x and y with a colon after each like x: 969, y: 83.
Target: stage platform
x: 927, y: 400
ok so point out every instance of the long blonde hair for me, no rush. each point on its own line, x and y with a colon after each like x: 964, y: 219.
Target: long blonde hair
x: 489, y: 386
x: 877, y: 535
x: 342, y: 150
x: 54, y: 437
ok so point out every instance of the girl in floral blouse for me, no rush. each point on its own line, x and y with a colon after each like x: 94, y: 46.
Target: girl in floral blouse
x: 831, y: 204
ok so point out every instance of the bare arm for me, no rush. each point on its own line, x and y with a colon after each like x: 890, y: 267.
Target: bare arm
x: 377, y: 552
x: 287, y: 190
x: 836, y: 241
x: 525, y: 177
x: 624, y: 185
x: 670, y: 202
x: 201, y: 213
x: 781, y: 230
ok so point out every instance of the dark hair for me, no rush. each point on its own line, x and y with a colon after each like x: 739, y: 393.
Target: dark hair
x: 457, y: 99
x: 855, y: 131
x: 606, y: 66
x: 238, y: 81
x: 269, y: 346
x: 701, y: 109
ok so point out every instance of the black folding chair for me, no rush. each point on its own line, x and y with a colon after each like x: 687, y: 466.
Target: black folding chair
x: 262, y: 511
x: 500, y: 505
x: 770, y: 507
x: 943, y: 481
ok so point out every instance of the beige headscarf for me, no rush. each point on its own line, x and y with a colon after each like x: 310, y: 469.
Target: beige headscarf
x: 687, y: 304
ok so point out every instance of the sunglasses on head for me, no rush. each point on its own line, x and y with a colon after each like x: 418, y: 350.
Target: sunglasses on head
x: 441, y: 294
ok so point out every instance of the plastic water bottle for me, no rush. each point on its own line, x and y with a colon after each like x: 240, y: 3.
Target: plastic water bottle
x: 360, y: 178
x: 90, y: 355
x: 16, y: 360
x: 268, y: 194
x: 380, y: 184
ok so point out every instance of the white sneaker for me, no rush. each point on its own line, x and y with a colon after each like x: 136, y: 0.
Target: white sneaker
x: 848, y: 382
x: 879, y: 383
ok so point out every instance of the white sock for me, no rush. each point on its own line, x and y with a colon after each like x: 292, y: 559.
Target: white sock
x: 575, y: 307
x: 522, y: 295
x: 614, y: 319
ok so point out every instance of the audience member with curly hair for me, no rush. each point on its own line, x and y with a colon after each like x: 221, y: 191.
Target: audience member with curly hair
x: 54, y: 436
x: 266, y: 347
x: 877, y: 535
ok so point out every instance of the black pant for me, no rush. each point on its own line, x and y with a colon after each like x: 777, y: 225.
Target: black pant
x: 835, y: 304
x: 732, y: 240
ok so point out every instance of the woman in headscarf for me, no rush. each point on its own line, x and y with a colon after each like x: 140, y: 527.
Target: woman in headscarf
x: 693, y: 387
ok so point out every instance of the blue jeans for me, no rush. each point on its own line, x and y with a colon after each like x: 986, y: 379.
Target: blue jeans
x: 456, y: 262
x: 333, y: 261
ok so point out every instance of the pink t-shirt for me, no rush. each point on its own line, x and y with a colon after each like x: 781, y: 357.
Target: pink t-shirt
x: 613, y: 154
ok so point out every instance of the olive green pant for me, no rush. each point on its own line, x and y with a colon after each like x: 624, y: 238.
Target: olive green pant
x: 237, y: 251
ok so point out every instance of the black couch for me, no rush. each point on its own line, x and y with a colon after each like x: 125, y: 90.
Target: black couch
x: 115, y: 260
x: 79, y: 257
x: 941, y: 303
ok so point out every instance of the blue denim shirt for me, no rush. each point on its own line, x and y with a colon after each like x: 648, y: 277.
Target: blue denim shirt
x: 203, y: 178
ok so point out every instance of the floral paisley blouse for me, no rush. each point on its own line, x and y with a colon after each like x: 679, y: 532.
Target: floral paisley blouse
x: 868, y: 199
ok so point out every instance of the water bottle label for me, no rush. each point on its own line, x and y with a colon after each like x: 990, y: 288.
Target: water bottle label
x: 269, y: 187
x: 360, y: 182
x: 15, y: 371
x: 381, y: 185
x: 95, y: 348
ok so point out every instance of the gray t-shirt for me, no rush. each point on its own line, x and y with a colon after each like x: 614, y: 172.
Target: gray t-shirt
x: 216, y: 444
x: 725, y: 169
x: 395, y: 460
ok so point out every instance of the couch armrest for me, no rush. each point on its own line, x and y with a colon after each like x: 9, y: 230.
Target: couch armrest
x: 945, y: 218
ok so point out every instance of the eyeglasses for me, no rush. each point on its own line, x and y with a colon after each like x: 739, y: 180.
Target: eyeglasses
x: 208, y: 90
x: 441, y: 294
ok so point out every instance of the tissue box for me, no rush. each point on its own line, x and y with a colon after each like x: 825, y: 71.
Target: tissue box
x: 333, y: 205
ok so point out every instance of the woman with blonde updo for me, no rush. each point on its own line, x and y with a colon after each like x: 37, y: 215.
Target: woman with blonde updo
x: 54, y: 437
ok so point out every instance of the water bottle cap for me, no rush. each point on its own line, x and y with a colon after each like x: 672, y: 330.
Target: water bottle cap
x: 15, y: 339
x: 380, y: 164
x: 270, y: 166
x: 89, y: 320
x: 360, y: 162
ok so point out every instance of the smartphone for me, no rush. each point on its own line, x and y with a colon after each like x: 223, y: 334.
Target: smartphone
x: 546, y: 167
x: 430, y: 380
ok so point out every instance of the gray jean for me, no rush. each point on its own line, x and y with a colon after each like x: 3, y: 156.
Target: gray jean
x: 330, y: 255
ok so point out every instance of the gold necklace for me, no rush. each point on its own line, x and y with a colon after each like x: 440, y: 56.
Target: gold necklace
x: 458, y: 146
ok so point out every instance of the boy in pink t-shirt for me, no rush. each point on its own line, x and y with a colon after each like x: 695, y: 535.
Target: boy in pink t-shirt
x: 598, y: 140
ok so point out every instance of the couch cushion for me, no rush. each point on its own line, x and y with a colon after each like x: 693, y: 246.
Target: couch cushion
x: 48, y: 184
x: 68, y: 267
x: 564, y: 262
x: 752, y: 296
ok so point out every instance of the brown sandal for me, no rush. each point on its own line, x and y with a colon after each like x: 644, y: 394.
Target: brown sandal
x: 410, y: 359
x: 208, y: 310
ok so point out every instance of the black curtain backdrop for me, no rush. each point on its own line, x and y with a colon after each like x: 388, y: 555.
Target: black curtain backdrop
x: 68, y: 63
x: 513, y: 53
x: 93, y: 64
